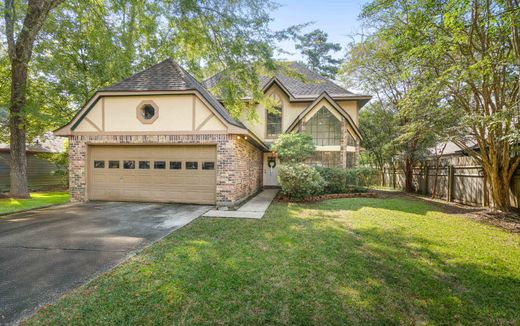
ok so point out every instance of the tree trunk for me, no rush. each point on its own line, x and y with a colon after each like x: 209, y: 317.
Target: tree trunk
x: 408, y: 175
x: 19, y: 49
x: 437, y: 164
x: 19, y: 185
x: 500, y: 188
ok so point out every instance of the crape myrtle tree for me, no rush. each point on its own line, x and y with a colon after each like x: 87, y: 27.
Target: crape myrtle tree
x: 378, y: 65
x: 471, y: 48
x: 60, y: 53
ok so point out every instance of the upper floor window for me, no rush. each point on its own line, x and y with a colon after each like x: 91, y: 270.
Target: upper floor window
x: 274, y: 119
x: 351, y: 141
x: 147, y: 112
x: 324, y: 128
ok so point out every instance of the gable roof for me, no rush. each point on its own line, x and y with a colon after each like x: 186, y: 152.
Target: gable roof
x: 169, y: 76
x: 300, y: 82
x: 328, y: 98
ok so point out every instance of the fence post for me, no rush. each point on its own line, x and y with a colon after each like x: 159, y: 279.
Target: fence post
x: 450, y: 183
x: 426, y: 178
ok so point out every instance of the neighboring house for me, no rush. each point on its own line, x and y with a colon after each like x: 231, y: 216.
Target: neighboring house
x: 160, y: 135
x: 41, y: 173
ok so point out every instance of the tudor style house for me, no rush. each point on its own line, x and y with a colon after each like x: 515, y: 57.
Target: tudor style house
x: 162, y: 136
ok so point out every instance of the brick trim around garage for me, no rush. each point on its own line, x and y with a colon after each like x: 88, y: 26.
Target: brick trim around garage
x: 239, y: 163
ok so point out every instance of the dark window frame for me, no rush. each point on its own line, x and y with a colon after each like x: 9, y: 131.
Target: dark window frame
x: 160, y: 166
x: 187, y: 165
x: 175, y: 168
x: 112, y: 164
x: 129, y: 164
x: 273, y: 123
x: 212, y: 164
x: 324, y: 128
x: 142, y: 165
x: 96, y: 164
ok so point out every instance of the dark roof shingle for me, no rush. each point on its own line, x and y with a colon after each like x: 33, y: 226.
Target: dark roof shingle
x: 169, y: 76
x: 299, y: 81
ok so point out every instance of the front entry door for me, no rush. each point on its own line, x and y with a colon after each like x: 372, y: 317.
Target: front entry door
x: 270, y: 172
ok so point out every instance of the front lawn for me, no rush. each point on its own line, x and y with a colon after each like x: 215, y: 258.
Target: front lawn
x: 345, y: 261
x: 38, y: 199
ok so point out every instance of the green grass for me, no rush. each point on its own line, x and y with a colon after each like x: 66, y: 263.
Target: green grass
x: 38, y: 199
x: 345, y: 261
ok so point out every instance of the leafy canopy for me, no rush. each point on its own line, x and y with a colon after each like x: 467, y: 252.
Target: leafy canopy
x: 316, y: 50
x: 294, y: 147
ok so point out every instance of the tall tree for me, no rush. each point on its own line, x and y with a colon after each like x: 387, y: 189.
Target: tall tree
x: 473, y: 50
x: 379, y: 128
x: 85, y: 45
x: 316, y: 50
x: 21, y: 35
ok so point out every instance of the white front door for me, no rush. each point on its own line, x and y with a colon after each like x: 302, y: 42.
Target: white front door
x: 270, y: 172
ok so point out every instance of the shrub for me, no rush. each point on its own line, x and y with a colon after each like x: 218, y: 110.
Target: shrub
x: 340, y: 180
x: 335, y: 179
x: 299, y: 180
x: 294, y: 147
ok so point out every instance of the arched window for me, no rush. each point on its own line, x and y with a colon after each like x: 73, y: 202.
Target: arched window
x: 324, y: 128
x: 274, y: 119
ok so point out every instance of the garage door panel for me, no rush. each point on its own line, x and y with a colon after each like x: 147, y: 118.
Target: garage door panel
x: 151, y: 184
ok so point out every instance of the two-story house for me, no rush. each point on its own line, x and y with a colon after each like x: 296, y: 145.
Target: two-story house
x: 162, y: 136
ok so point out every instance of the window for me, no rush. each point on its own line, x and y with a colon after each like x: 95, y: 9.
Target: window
x: 175, y: 165
x: 159, y: 165
x: 113, y: 164
x: 208, y: 165
x: 274, y: 123
x: 351, y: 159
x: 144, y: 164
x: 326, y: 159
x: 324, y: 128
x: 128, y: 164
x: 192, y: 165
x: 351, y: 141
x: 147, y: 112
x: 99, y: 164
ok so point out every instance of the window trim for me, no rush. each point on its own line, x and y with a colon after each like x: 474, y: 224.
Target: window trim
x: 140, y: 116
x: 280, y: 107
x: 170, y: 165
x: 213, y: 166
x: 308, y: 120
x: 98, y: 161
x: 186, y: 165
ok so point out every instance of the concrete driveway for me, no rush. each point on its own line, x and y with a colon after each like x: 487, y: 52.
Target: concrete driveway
x: 46, y: 252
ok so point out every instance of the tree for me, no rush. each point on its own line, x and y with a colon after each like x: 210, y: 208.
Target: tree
x: 316, y: 50
x: 85, y: 45
x: 377, y: 64
x: 379, y: 128
x: 20, y: 43
x: 294, y: 147
x: 472, y: 48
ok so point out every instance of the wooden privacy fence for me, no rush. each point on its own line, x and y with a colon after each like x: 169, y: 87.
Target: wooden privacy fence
x: 455, y: 183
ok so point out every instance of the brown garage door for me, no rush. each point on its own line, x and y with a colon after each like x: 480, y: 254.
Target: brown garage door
x: 182, y: 174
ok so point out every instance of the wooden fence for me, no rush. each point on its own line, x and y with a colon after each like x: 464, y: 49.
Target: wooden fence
x: 455, y: 183
x: 40, y: 173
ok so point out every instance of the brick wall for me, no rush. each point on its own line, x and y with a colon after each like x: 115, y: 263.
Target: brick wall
x: 239, y: 163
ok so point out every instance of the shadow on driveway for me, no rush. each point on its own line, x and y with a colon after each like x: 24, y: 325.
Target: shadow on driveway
x: 44, y: 253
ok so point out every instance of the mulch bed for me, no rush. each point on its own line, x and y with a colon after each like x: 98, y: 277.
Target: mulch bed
x: 313, y: 199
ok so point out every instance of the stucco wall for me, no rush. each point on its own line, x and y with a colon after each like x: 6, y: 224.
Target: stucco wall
x: 175, y: 113
x: 239, y: 163
x: 290, y: 112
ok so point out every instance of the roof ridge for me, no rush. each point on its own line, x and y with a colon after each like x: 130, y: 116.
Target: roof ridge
x: 139, y: 73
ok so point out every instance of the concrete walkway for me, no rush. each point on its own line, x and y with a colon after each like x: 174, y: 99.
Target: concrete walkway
x: 254, y: 208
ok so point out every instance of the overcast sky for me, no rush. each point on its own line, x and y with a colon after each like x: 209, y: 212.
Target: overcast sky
x: 337, y: 18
